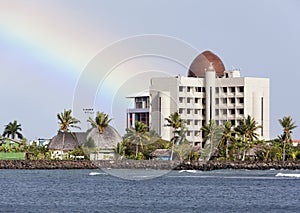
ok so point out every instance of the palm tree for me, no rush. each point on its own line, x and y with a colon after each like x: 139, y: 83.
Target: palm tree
x: 174, y: 120
x: 13, y: 129
x: 247, y: 130
x: 212, y: 134
x: 288, y: 125
x: 66, y: 121
x: 227, y: 137
x: 138, y: 135
x: 101, y: 121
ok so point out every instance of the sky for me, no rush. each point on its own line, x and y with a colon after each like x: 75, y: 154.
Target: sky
x: 48, y: 47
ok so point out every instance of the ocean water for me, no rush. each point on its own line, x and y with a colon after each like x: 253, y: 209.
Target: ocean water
x: 175, y: 191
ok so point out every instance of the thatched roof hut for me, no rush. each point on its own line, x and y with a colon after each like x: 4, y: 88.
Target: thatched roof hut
x: 71, y: 141
x: 107, y: 140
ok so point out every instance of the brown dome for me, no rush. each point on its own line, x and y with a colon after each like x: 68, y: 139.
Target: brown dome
x: 202, y: 62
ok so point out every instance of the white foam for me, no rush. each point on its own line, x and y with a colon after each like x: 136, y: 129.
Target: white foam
x: 96, y: 173
x: 189, y: 171
x: 287, y: 175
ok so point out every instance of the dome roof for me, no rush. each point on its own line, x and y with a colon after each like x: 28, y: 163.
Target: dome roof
x: 107, y: 140
x: 203, y: 61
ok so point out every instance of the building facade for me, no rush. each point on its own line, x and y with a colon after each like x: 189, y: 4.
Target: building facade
x: 209, y: 92
x: 140, y: 111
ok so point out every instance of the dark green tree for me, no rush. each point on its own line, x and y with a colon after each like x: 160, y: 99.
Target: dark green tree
x: 12, y: 130
x: 288, y: 125
x: 174, y: 121
x: 66, y: 121
x: 138, y: 135
x: 247, y: 131
x: 101, y: 121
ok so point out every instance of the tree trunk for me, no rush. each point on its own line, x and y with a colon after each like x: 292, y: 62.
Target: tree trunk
x: 172, y: 151
x: 63, y: 145
x: 283, y: 151
x: 244, y: 154
x: 226, y: 152
x: 136, y: 150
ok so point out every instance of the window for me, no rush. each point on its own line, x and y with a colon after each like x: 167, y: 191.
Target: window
x: 217, y: 101
x: 188, y: 133
x: 232, y: 100
x: 232, y: 89
x: 217, y: 112
x: 181, y: 99
x: 196, y: 122
x: 196, y: 111
x: 217, y: 90
x: 188, y: 122
x: 224, y: 100
x: 180, y: 110
x: 232, y: 111
x: 241, y: 111
x: 196, y: 133
x: 197, y: 100
x: 241, y: 89
x: 188, y: 111
x: 203, y: 112
x: 203, y: 101
x: 224, y: 111
x: 198, y: 89
x: 180, y: 88
x: 232, y: 122
x: 203, y: 89
x: 224, y: 89
x: 188, y: 100
x: 241, y: 100
x: 189, y: 89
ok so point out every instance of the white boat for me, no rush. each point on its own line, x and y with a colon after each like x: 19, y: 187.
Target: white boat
x: 287, y: 175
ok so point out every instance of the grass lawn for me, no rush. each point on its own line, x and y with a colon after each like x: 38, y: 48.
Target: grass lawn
x: 12, y: 156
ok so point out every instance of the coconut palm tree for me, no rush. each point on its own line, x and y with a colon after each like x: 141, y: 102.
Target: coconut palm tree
x: 212, y: 134
x: 247, y: 131
x: 13, y: 129
x: 138, y: 135
x: 66, y: 121
x: 174, y: 120
x: 288, y: 125
x: 227, y: 137
x: 101, y: 121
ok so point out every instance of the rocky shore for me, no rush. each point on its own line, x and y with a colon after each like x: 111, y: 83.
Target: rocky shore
x: 147, y: 164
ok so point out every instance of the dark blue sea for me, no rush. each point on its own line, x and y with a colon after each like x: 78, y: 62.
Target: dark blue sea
x: 175, y: 191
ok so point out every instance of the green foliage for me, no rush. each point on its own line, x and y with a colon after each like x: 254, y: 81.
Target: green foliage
x: 101, y: 121
x: 67, y: 121
x: 76, y: 152
x: 13, y: 129
x: 212, y: 136
x: 288, y: 125
x: 147, y: 149
x: 138, y: 135
x: 247, y: 131
x: 35, y: 152
x: 120, y: 150
x: 140, y: 156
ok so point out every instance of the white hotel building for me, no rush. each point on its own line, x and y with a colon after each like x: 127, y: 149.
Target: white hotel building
x: 208, y: 93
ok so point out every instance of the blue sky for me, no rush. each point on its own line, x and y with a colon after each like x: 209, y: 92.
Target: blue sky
x: 45, y: 45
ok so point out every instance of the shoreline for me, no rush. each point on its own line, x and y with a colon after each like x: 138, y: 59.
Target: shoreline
x: 147, y: 164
